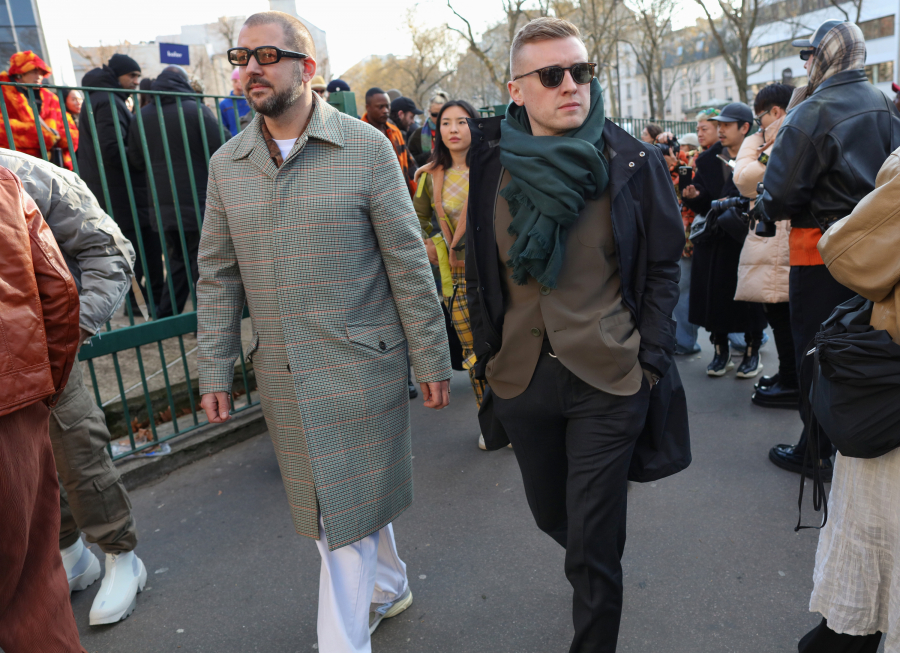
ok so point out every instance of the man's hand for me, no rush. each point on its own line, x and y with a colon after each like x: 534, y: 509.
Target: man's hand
x: 690, y: 192
x: 671, y: 161
x: 431, y: 250
x: 216, y: 405
x: 455, y: 262
x: 83, y: 335
x: 437, y: 394
x: 665, y: 137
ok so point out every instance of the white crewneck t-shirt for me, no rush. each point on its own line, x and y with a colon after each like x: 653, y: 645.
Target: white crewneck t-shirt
x: 285, y: 146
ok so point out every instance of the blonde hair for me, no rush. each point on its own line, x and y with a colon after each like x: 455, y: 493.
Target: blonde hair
x: 540, y: 29
x: 440, y: 97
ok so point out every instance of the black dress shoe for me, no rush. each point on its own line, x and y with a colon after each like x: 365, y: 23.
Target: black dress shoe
x: 767, y: 381
x: 413, y: 393
x: 787, y: 457
x: 777, y: 395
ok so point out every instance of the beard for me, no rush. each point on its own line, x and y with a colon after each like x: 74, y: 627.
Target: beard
x: 280, y: 101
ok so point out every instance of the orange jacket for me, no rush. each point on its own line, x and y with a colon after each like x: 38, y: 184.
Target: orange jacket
x: 22, y: 123
x: 38, y: 304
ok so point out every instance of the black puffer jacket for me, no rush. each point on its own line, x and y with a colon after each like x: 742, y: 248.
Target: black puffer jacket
x: 174, y: 82
x: 105, y: 117
x: 829, y: 150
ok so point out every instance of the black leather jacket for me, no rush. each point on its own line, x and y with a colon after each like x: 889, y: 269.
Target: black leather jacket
x: 829, y: 150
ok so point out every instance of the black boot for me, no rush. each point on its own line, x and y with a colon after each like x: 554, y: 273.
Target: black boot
x: 751, y: 365
x: 768, y: 381
x: 778, y: 395
x: 721, y: 363
x: 790, y: 457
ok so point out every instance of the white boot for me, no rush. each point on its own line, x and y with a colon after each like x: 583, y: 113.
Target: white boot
x: 125, y: 577
x: 82, y: 566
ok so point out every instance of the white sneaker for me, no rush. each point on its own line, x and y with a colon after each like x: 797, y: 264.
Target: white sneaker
x: 380, y: 611
x: 82, y: 566
x: 125, y: 577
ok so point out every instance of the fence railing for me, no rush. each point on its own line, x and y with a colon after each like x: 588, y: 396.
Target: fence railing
x: 633, y: 126
x: 141, y: 417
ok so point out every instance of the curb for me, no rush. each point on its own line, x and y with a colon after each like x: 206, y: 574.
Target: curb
x: 192, y: 447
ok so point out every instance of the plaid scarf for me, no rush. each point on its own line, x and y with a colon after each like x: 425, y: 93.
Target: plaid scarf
x: 842, y: 49
x: 428, y: 130
x: 395, y: 136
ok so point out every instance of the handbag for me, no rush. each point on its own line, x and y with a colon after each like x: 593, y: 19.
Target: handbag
x: 704, y: 229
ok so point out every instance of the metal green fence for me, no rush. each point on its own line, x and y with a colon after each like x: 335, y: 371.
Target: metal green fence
x: 143, y: 423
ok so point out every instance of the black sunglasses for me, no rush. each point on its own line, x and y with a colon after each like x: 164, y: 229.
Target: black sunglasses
x: 265, y: 55
x: 758, y: 119
x: 552, y: 76
x: 434, y: 115
x: 806, y: 54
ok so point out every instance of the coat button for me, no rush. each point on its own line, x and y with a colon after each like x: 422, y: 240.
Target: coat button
x: 643, y: 154
x: 545, y: 290
x: 536, y: 332
x: 382, y: 346
x: 631, y: 164
x: 481, y: 125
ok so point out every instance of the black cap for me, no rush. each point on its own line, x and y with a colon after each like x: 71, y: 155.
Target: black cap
x: 818, y: 35
x: 122, y: 64
x: 337, y: 85
x: 405, y: 104
x: 734, y: 112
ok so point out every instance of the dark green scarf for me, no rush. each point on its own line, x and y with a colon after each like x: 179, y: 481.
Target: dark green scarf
x: 552, y: 179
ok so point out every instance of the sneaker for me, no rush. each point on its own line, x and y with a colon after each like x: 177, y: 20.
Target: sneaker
x: 82, y: 566
x: 380, y: 611
x: 125, y: 577
x: 721, y: 363
x: 751, y: 364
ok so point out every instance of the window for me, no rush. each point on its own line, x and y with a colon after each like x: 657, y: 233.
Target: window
x: 712, y: 94
x: 878, y: 28
x: 684, y: 100
x: 697, y: 98
x: 880, y: 72
x: 646, y: 110
x: 629, y: 112
x: 627, y: 91
x: 680, y: 50
x: 699, y: 45
x: 643, y: 88
x: 727, y: 73
x: 711, y: 75
x: 728, y: 93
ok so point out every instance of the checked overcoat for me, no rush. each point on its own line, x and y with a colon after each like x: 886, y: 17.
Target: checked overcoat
x: 327, y: 253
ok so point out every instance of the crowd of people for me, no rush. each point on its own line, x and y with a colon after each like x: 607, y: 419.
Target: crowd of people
x: 557, y: 259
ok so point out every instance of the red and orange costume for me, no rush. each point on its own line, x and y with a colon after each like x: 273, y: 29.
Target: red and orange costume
x: 21, y: 117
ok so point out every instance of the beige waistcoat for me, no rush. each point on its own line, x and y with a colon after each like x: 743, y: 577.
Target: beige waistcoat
x: 591, y: 330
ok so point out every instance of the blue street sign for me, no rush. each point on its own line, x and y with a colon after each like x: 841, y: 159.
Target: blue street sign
x: 174, y: 53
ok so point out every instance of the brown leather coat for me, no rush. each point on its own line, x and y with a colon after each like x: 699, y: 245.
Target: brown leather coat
x: 861, y: 250
x: 38, y: 304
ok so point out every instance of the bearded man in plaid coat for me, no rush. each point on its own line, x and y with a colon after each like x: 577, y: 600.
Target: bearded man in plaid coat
x: 309, y: 221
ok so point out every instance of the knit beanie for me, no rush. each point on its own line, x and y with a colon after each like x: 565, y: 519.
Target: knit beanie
x: 122, y: 64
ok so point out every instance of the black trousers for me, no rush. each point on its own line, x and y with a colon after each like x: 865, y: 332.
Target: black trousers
x: 779, y: 318
x: 574, y: 444
x: 822, y: 639
x: 814, y: 294
x: 179, y: 271
x: 753, y: 338
x: 150, y: 272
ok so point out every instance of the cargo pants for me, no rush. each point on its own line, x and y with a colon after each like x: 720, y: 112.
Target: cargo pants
x: 93, y: 498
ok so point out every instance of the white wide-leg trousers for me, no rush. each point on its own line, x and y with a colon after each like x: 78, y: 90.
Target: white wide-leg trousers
x: 352, y: 578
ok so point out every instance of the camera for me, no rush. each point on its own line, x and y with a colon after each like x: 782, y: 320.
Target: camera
x: 742, y: 204
x: 669, y: 149
x: 765, y: 227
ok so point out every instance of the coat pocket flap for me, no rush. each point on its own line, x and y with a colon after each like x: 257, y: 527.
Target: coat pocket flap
x: 381, y: 337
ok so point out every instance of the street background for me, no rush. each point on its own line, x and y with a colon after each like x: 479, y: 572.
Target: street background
x: 712, y: 562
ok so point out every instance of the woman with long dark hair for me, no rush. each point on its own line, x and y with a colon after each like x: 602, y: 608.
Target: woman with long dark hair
x: 441, y: 201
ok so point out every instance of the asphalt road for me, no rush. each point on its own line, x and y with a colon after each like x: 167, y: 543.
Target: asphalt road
x: 712, y: 562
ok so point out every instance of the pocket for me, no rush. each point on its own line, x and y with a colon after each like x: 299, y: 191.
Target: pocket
x: 252, y: 347
x: 74, y: 405
x: 376, y: 337
x: 113, y: 497
x: 622, y: 338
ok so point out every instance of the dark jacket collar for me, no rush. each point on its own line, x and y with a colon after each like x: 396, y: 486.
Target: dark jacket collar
x: 846, y: 77
x: 626, y: 154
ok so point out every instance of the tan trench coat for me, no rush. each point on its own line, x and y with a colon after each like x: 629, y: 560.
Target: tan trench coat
x: 327, y: 253
x: 765, y: 265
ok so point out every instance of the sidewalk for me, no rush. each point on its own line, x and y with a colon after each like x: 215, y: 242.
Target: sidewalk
x: 712, y: 562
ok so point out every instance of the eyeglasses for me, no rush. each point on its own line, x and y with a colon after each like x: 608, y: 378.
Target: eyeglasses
x: 265, y: 55
x: 434, y: 115
x: 552, y: 76
x: 758, y: 119
x: 806, y: 54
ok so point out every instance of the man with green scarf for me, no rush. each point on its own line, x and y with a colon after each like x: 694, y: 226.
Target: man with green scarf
x: 573, y: 245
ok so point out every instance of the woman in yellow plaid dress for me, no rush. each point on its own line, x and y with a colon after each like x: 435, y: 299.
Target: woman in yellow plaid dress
x: 441, y: 201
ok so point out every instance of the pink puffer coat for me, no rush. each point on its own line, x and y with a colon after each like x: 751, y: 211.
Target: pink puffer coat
x: 765, y: 262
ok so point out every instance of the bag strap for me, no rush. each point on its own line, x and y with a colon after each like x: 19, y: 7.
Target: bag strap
x: 820, y: 499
